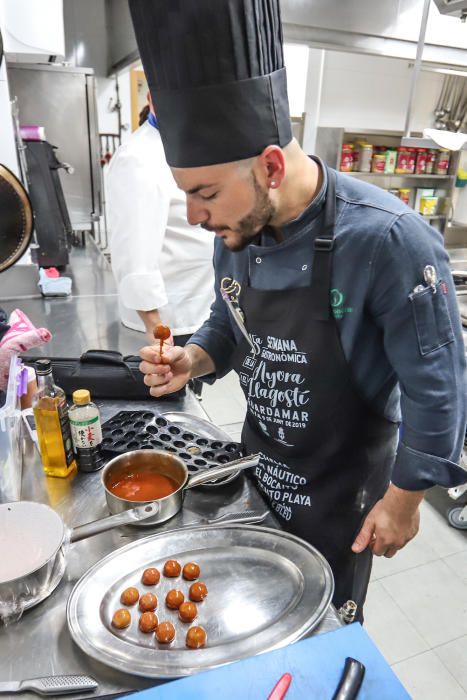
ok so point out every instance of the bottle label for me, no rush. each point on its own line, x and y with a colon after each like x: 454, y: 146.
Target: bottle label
x: 62, y: 411
x: 86, y: 433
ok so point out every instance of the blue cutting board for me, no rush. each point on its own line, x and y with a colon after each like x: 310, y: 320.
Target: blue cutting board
x: 316, y: 665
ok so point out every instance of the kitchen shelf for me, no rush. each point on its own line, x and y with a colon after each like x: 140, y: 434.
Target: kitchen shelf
x: 400, y: 175
x: 435, y: 216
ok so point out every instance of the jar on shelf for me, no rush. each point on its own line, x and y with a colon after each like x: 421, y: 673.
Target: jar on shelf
x: 442, y: 162
x: 356, y: 159
x: 391, y: 159
x: 378, y: 163
x: 394, y: 191
x: 430, y: 161
x: 411, y: 160
x: 402, y: 160
x: 346, y: 164
x: 420, y: 164
x: 405, y: 194
x: 366, y: 155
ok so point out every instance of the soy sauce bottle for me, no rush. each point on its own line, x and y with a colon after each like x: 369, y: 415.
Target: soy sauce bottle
x: 86, y: 431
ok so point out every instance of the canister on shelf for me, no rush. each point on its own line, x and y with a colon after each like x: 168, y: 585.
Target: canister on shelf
x: 378, y: 163
x: 366, y: 155
x: 405, y: 194
x: 420, y: 164
x: 346, y: 163
x: 391, y: 159
x: 428, y: 206
x: 442, y: 162
x: 356, y: 158
x: 430, y: 160
x: 422, y: 192
x: 411, y: 160
x: 402, y: 160
x: 394, y: 191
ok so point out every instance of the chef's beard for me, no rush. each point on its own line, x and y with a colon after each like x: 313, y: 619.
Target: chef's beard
x: 250, y: 225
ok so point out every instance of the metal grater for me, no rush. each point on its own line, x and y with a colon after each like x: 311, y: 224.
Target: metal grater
x: 51, y: 685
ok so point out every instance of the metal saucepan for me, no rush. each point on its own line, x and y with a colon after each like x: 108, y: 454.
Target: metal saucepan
x: 33, y: 540
x: 167, y: 464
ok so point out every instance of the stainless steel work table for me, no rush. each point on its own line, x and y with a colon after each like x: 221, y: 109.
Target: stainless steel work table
x: 40, y: 644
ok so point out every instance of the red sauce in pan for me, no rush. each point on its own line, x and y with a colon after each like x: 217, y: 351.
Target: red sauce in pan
x: 145, y: 486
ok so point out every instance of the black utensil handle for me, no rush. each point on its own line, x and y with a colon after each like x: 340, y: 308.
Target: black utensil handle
x: 351, y: 680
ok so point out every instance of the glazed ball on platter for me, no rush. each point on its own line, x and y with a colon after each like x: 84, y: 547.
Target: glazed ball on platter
x: 130, y: 596
x: 150, y: 577
x: 172, y: 568
x: 121, y: 618
x: 191, y: 571
x: 196, y: 637
x: 198, y: 591
x: 174, y: 599
x: 165, y: 632
x: 148, y: 601
x: 148, y: 622
x: 187, y: 612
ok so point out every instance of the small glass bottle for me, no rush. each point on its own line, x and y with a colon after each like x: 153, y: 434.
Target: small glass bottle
x: 52, y: 424
x: 86, y: 431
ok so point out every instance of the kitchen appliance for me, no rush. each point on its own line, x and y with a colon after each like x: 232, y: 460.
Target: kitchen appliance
x: 132, y: 430
x: 16, y: 219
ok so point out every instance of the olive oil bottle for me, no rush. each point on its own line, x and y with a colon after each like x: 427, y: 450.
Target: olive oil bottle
x: 52, y: 424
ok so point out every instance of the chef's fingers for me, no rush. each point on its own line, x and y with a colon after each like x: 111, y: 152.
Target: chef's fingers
x: 150, y: 368
x: 154, y: 380
x: 380, y: 548
x: 150, y: 353
x: 164, y: 389
x: 364, y: 537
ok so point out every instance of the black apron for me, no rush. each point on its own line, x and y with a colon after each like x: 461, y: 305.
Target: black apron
x: 326, y: 455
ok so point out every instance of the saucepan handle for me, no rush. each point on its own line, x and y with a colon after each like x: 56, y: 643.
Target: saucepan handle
x: 223, y: 470
x: 127, y: 517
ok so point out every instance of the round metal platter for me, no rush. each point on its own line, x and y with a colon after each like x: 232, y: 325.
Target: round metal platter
x: 204, y: 428
x: 16, y: 219
x: 267, y: 589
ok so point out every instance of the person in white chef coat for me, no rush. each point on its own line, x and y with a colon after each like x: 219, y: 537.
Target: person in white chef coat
x: 162, y: 266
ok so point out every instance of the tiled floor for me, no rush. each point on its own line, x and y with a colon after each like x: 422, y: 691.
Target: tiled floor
x: 416, y: 610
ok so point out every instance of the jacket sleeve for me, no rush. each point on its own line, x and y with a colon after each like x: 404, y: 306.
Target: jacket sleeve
x: 138, y: 206
x: 423, y: 340
x: 216, y: 335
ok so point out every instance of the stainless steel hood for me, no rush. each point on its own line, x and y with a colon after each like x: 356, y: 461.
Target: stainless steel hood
x: 384, y: 28
x: 457, y: 8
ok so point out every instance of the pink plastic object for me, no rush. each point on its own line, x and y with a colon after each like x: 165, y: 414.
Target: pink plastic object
x: 52, y: 273
x: 22, y: 336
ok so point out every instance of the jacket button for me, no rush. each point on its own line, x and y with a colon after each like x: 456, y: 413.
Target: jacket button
x: 304, y: 267
x: 258, y: 260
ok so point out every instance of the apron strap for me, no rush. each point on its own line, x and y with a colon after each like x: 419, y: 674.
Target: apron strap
x: 322, y: 260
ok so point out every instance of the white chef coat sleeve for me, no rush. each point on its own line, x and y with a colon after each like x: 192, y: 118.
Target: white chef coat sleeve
x: 138, y: 208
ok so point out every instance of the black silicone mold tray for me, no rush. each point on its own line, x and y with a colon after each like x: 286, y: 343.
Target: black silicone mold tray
x: 142, y: 430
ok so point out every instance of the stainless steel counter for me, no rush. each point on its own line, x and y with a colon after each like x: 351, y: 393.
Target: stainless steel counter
x: 40, y: 644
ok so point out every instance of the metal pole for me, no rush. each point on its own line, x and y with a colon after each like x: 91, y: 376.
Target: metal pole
x: 416, y: 67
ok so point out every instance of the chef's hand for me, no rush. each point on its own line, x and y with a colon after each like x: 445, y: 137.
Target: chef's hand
x: 391, y: 523
x: 168, y: 377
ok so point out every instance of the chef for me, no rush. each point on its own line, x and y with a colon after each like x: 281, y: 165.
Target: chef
x: 162, y: 266
x: 334, y: 301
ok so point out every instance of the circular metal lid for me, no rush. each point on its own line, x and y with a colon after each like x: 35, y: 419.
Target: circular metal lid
x: 16, y: 219
x: 30, y: 535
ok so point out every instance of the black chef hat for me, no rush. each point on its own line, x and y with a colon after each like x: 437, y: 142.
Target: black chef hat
x: 215, y: 70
